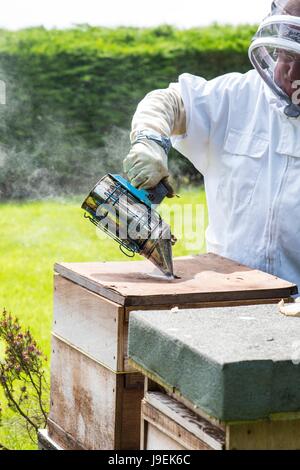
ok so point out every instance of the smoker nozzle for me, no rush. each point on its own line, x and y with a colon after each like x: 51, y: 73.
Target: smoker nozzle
x: 160, y: 254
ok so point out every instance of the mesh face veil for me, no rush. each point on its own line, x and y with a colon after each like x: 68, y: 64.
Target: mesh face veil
x: 285, y: 7
x: 275, y: 53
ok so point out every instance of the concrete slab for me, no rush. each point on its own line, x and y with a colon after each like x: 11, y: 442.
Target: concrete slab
x: 235, y: 363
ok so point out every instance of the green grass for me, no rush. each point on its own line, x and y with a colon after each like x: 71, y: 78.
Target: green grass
x: 35, y: 235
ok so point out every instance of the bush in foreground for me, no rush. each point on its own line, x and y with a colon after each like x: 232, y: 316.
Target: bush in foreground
x: 22, y: 375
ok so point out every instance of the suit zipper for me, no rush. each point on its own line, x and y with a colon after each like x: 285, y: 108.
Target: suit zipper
x: 272, y: 224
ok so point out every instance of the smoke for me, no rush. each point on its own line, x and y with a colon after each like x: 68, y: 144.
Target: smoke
x: 117, y: 146
x: 3, y: 156
x: 56, y: 164
x: 43, y: 154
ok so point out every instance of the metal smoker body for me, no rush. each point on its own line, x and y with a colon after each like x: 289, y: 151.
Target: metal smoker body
x: 128, y: 215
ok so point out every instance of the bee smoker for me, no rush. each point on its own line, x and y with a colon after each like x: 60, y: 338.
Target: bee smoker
x: 128, y: 215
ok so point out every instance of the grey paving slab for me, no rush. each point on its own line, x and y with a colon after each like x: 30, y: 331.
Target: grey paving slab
x: 235, y: 363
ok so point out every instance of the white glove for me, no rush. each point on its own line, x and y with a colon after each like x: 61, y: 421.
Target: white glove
x: 162, y: 112
x: 146, y: 164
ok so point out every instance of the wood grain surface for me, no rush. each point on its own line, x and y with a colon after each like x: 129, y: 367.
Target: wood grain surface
x: 201, y: 278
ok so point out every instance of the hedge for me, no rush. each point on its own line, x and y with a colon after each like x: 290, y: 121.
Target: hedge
x: 71, y: 95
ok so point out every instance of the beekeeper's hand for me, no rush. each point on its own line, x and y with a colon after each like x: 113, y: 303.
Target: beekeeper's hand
x: 146, y: 164
x: 161, y: 112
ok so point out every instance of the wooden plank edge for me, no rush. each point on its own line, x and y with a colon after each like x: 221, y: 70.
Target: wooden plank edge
x: 91, y: 358
x: 89, y: 284
x: 202, y: 429
x: 45, y: 442
x: 194, y: 298
x: 168, y: 426
x: 271, y: 418
x: 57, y: 277
x: 62, y: 437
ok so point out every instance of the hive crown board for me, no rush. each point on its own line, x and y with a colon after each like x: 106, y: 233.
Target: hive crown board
x: 201, y: 278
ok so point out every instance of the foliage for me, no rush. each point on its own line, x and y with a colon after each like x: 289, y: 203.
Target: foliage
x: 22, y: 375
x: 100, y: 41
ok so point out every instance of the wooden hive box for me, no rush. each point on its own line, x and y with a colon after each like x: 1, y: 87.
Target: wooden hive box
x: 95, y: 394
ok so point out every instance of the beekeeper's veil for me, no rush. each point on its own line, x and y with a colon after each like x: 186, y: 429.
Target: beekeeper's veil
x: 275, y: 53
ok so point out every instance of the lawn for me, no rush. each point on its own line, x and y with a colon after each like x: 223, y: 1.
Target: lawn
x: 35, y: 235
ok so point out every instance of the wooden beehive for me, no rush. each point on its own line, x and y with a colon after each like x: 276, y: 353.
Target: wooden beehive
x: 218, y: 378
x: 95, y: 395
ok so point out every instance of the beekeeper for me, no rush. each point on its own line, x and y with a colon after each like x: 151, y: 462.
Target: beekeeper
x: 242, y: 132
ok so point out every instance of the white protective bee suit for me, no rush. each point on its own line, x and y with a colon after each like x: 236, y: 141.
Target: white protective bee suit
x: 242, y: 132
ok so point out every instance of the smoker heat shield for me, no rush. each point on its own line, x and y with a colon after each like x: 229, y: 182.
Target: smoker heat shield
x: 128, y: 215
